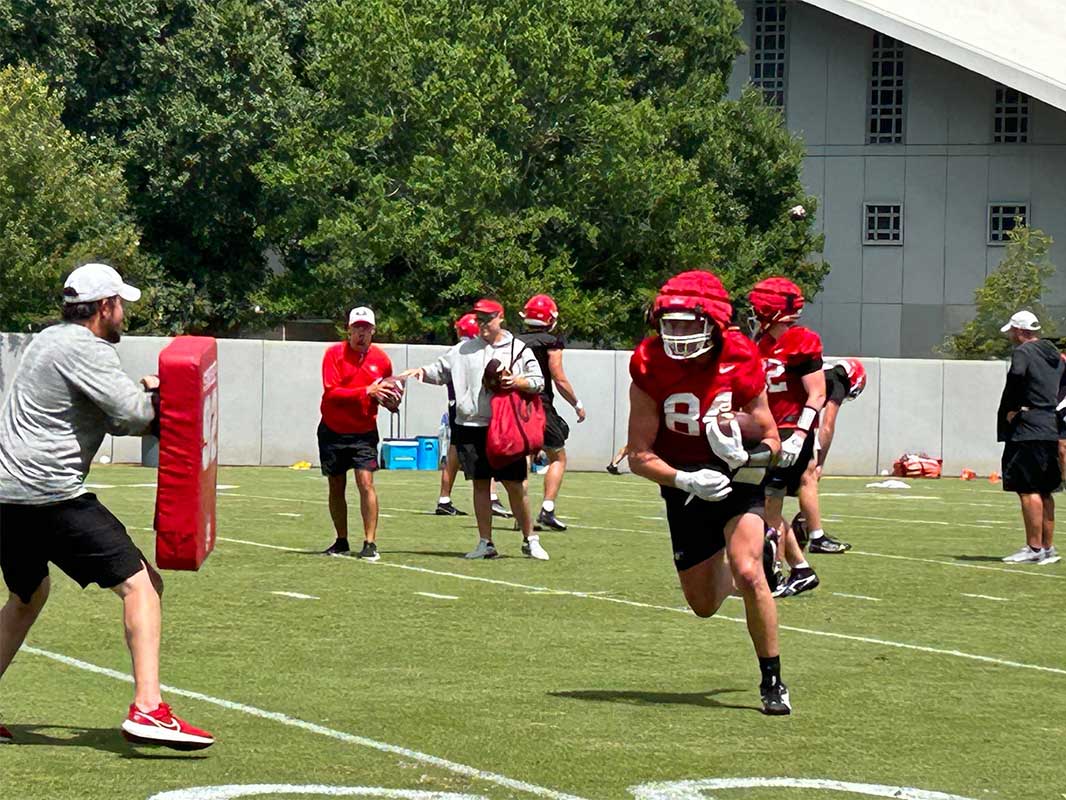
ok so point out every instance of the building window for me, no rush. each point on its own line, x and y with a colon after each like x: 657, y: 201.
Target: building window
x: 884, y: 224
x: 769, y: 51
x: 1012, y: 116
x: 1003, y: 218
x: 886, y: 91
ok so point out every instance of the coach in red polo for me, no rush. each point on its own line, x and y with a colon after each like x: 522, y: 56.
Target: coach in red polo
x: 352, y: 372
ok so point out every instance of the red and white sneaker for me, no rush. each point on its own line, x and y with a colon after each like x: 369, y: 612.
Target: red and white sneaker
x: 160, y: 727
x: 5, y: 736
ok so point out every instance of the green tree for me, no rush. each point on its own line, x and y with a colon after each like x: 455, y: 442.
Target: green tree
x: 59, y: 206
x: 443, y: 150
x: 1017, y: 284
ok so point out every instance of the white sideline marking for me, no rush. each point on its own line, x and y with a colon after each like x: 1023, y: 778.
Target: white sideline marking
x: 611, y: 499
x: 915, y: 521
x: 857, y: 596
x: 438, y: 596
x: 987, y: 597
x: 657, y: 519
x: 288, y: 514
x: 99, y: 485
x: 233, y: 791
x: 636, y: 604
x: 695, y: 790
x: 958, y: 564
x: 873, y: 496
x: 297, y: 595
x: 321, y: 730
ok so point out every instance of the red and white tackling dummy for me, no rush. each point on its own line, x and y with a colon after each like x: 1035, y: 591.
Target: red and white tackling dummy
x: 188, y: 452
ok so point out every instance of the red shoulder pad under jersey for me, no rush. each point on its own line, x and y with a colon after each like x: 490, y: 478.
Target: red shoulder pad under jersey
x: 798, y: 345
x: 740, y: 356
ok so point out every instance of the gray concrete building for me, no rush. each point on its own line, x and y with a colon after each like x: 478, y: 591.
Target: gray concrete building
x: 929, y: 126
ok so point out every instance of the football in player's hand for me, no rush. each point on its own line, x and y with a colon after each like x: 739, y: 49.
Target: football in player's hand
x: 750, y: 432
x: 494, y: 372
x: 391, y: 394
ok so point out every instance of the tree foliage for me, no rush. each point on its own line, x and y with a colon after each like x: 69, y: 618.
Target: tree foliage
x: 1017, y: 284
x: 581, y: 147
x: 60, y: 205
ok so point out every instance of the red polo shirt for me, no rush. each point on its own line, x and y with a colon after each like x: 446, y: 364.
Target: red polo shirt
x: 346, y: 408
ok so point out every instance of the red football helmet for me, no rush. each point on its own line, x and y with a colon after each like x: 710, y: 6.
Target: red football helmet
x: 540, y: 312
x: 856, y: 374
x: 466, y: 326
x: 693, y: 296
x: 776, y: 300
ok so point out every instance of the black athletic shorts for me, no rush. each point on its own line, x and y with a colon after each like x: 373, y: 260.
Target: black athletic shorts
x: 80, y: 536
x: 340, y: 452
x: 1031, y: 467
x: 782, y: 481
x: 556, y: 431
x: 469, y: 444
x: 697, y: 530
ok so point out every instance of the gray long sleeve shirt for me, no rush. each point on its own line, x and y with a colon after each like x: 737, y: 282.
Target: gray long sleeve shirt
x: 464, y: 366
x: 68, y: 392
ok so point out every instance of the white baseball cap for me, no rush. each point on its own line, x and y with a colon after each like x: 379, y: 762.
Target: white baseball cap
x: 361, y: 314
x: 92, y: 282
x: 1023, y: 320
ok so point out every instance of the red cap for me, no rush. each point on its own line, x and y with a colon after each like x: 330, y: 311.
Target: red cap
x: 487, y: 306
x: 466, y: 325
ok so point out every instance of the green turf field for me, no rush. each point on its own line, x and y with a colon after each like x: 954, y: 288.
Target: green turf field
x: 921, y: 661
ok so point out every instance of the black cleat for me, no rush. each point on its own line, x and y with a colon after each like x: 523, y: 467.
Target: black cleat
x: 369, y: 552
x: 827, y: 544
x: 499, y: 511
x: 338, y: 548
x: 547, y: 519
x: 775, y: 700
x: 770, y: 565
x: 613, y: 469
x: 448, y: 510
x: 799, y: 581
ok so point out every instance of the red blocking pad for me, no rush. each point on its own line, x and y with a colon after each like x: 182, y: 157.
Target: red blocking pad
x: 188, y: 453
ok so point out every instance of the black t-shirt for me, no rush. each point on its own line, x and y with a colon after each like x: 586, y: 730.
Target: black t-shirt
x: 836, y: 385
x: 1033, y: 381
x: 540, y: 342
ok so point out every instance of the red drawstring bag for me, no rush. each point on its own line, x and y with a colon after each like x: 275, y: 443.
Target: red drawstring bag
x: 516, y: 428
x: 517, y: 425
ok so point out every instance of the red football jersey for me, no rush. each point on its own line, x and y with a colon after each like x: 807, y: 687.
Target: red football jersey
x: 686, y: 391
x: 787, y: 360
x: 346, y: 407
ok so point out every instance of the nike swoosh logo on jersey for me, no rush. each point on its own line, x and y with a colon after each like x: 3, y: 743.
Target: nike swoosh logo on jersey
x: 727, y: 368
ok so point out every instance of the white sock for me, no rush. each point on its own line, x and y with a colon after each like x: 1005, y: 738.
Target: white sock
x: 548, y: 505
x: 444, y: 500
x: 801, y: 565
x: 533, y: 537
x: 487, y: 541
x: 495, y: 498
x: 818, y: 534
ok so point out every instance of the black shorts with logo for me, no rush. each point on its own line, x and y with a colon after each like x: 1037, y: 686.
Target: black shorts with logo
x: 1031, y: 467
x: 340, y: 452
x: 556, y: 431
x: 469, y: 444
x: 697, y: 530
x: 80, y: 536
x: 782, y: 481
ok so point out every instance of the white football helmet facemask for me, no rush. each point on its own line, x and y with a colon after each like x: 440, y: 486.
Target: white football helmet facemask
x: 678, y: 342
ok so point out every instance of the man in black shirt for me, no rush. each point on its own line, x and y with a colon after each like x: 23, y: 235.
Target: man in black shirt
x: 540, y: 316
x: 1026, y: 423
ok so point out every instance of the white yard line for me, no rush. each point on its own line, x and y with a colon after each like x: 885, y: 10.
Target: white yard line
x: 987, y: 597
x: 963, y: 565
x: 321, y: 730
x: 740, y: 620
x: 297, y: 595
x: 857, y: 596
x: 438, y: 596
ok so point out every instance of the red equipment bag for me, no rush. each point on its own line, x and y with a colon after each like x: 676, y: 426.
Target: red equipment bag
x: 188, y: 453
x: 516, y: 428
x: 911, y: 465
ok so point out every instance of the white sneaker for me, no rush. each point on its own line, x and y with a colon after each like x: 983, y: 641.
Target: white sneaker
x: 484, y: 549
x: 1025, y: 555
x: 533, y: 549
x: 1051, y: 556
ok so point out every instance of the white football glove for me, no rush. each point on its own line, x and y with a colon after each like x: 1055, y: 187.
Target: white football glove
x: 706, y: 484
x: 790, y: 449
x: 727, y: 446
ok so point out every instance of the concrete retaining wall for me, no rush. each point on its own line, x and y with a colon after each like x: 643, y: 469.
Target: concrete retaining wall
x: 270, y: 392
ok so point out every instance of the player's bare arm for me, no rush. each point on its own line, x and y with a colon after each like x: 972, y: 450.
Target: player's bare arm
x: 643, y: 428
x: 562, y: 383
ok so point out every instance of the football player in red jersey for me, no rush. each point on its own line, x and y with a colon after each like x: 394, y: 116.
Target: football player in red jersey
x: 844, y: 380
x: 795, y: 383
x: 687, y: 381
